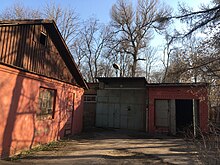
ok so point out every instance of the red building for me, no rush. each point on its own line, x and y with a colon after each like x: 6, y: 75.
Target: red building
x: 41, y: 88
x: 132, y: 103
x: 173, y: 107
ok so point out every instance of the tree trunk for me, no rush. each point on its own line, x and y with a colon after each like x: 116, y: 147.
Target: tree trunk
x: 134, y: 66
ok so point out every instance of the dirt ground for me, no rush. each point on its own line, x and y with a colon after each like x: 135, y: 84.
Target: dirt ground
x: 101, y: 146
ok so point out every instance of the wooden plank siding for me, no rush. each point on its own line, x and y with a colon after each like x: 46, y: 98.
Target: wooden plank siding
x: 20, y: 46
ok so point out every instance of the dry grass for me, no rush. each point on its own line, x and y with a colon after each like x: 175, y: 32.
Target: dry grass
x: 207, y: 145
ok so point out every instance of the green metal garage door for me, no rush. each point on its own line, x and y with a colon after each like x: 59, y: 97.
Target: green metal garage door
x: 123, y: 108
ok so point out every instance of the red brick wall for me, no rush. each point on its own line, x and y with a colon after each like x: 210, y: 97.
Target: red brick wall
x: 179, y: 92
x: 20, y: 128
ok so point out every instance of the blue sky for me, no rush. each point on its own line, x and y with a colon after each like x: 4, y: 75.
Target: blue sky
x: 88, y: 8
x: 85, y: 8
x: 100, y: 9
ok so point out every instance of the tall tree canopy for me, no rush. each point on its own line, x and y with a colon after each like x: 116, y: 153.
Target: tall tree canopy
x: 205, y: 21
x: 196, y: 56
x: 134, y: 25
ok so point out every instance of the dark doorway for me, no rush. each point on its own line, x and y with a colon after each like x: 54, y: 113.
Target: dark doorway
x: 184, y: 114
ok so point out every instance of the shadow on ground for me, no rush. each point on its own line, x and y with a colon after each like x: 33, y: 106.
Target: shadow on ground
x: 111, y: 146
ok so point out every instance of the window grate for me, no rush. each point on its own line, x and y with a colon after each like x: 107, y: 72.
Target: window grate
x: 46, y: 102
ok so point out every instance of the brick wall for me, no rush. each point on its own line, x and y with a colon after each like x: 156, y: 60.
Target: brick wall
x: 178, y: 92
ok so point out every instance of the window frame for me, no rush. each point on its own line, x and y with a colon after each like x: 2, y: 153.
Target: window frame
x: 43, y: 36
x: 53, y: 104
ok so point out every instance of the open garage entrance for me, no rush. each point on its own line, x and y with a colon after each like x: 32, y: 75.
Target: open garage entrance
x: 173, y: 107
x: 184, y: 114
x: 176, y: 115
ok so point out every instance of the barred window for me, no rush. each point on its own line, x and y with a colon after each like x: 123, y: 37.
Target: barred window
x: 46, y: 101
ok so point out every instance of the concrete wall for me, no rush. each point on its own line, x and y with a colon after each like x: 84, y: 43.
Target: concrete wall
x: 20, y: 128
x: 178, y: 92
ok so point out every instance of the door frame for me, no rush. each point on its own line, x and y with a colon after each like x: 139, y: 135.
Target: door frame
x: 70, y: 109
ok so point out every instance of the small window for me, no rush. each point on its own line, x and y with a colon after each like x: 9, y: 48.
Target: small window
x: 90, y: 98
x: 46, y: 102
x: 43, y: 38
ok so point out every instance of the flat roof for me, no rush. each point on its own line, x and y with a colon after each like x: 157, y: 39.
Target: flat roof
x: 121, y: 78
x: 107, y: 79
x: 176, y: 84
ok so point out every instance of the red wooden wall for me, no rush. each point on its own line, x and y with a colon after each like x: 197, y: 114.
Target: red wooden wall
x: 20, y: 47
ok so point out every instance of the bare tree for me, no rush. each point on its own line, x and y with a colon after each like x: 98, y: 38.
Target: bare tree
x: 19, y: 11
x: 76, y: 49
x: 185, y: 61
x: 134, y: 26
x: 94, y: 38
x: 207, y: 17
x: 157, y: 76
x: 88, y: 45
x: 66, y: 19
x: 106, y: 68
x: 125, y: 64
x: 206, y: 21
x: 202, y: 61
x: 151, y: 58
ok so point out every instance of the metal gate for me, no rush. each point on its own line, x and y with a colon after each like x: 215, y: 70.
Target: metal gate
x: 162, y: 113
x: 172, y: 115
x: 123, y: 108
x: 165, y: 116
